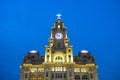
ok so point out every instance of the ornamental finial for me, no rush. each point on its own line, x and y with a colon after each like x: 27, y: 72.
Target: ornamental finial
x: 58, y: 16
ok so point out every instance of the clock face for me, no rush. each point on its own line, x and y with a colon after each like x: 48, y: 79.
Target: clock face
x: 58, y: 36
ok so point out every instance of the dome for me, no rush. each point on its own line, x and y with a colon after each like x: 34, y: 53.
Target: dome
x: 84, y: 51
x: 33, y: 51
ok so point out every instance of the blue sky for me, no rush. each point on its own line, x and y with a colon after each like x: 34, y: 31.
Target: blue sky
x: 92, y: 24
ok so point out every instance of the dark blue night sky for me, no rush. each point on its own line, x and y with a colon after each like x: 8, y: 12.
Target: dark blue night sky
x: 92, y: 24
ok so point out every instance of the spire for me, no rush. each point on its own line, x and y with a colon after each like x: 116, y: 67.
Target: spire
x: 58, y: 16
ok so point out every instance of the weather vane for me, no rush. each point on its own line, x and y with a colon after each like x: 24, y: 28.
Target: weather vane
x: 59, y: 15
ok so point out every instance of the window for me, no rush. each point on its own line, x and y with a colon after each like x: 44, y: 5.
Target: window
x: 69, y: 50
x: 69, y: 57
x: 46, y: 74
x: 70, y: 74
x: 91, y: 75
x: 58, y: 60
x: 52, y: 75
x: 58, y: 75
x: 55, y: 75
x: 64, y: 75
x: 77, y: 77
x: 26, y: 76
x: 84, y: 77
x: 47, y: 57
x: 48, y: 50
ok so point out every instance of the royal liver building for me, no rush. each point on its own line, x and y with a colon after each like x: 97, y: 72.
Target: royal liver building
x: 59, y: 63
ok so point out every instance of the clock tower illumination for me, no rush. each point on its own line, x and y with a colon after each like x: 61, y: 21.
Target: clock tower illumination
x: 58, y: 44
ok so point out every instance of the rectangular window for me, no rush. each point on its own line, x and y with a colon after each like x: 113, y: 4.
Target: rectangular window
x: 64, y: 75
x: 91, y: 75
x: 55, y: 75
x: 46, y: 74
x: 26, y: 76
x: 70, y: 74
x: 52, y: 75
x: 60, y: 75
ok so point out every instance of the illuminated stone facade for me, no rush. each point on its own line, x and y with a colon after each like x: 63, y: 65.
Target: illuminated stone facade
x: 59, y: 62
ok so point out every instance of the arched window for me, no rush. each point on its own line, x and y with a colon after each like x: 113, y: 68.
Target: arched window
x: 69, y: 50
x: 58, y: 59
x: 47, y: 57
x: 84, y: 77
x: 69, y: 57
x: 77, y: 77
x: 48, y: 50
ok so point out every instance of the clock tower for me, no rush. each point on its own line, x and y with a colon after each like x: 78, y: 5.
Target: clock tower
x: 58, y: 37
x: 58, y: 43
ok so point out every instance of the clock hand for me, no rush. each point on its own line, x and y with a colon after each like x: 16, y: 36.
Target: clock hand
x: 58, y: 35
